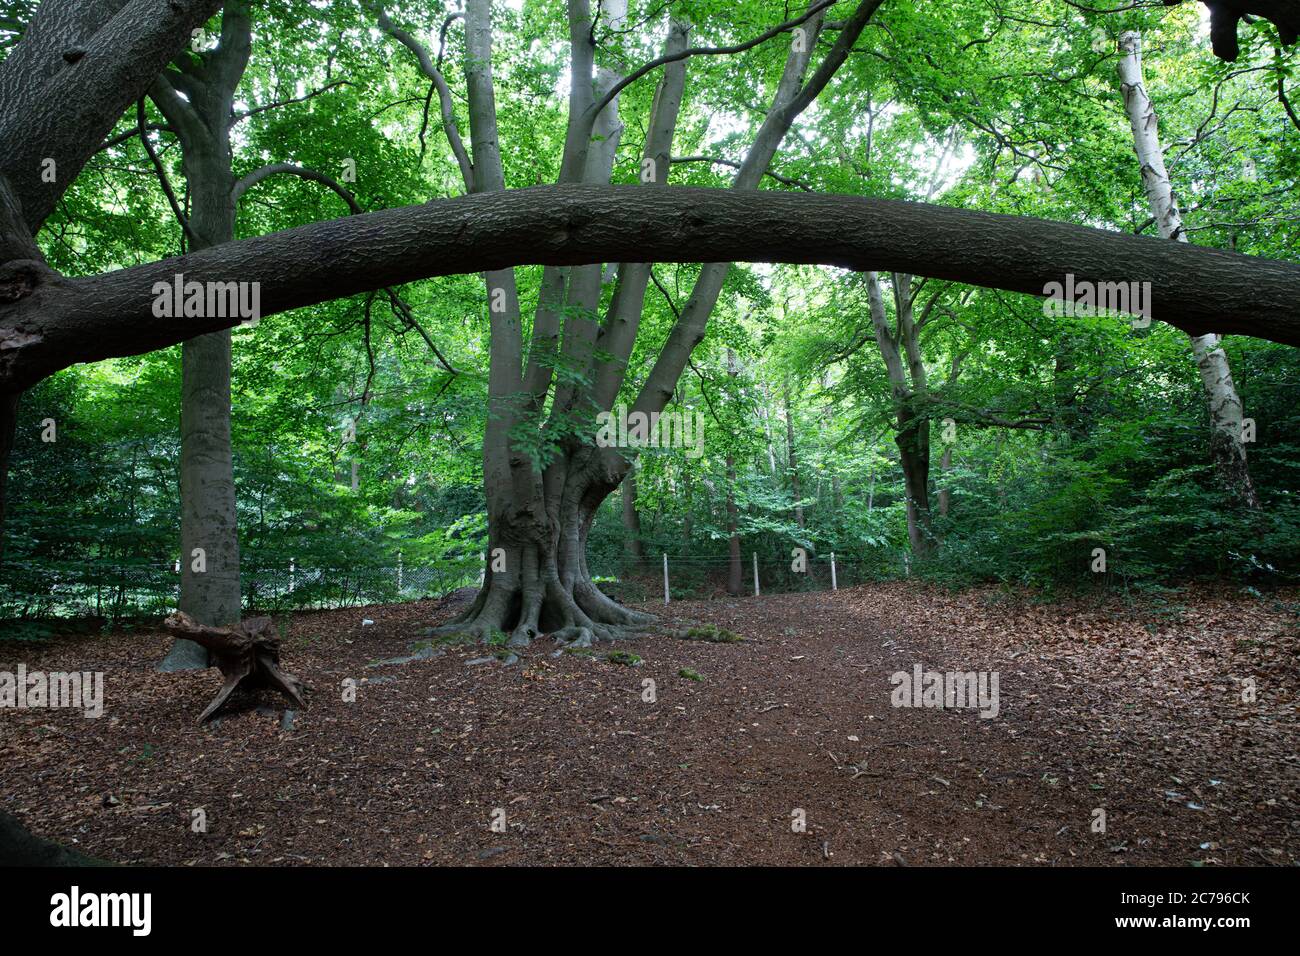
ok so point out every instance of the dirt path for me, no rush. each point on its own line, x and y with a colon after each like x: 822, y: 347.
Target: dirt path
x: 1139, y: 716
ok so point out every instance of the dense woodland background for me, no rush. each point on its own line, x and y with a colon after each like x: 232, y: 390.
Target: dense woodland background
x: 1067, y: 434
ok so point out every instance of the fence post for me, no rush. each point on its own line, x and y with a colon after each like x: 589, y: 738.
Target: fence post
x: 399, y: 574
x: 482, y: 569
x: 834, y: 584
x: 666, y: 596
x: 291, y: 569
x: 756, y: 594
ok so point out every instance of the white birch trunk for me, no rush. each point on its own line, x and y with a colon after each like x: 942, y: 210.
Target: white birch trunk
x: 1221, y: 394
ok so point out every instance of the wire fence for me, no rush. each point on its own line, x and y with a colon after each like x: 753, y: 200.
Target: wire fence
x: 118, y: 591
x: 673, y: 577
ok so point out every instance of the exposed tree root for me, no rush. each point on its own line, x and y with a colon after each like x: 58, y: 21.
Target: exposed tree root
x: 582, y: 614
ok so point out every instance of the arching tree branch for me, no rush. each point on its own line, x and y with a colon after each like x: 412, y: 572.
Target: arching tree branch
x: 59, y: 322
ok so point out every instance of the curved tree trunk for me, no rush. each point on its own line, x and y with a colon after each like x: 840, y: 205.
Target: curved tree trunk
x: 907, y: 382
x: 1227, y: 447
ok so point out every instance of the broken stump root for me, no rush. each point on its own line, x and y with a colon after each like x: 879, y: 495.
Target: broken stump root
x: 248, y: 654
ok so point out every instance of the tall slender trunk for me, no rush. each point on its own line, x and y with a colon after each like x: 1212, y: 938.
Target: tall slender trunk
x: 1225, y: 408
x: 906, y: 373
x: 796, y: 490
x: 687, y: 523
x: 733, y: 536
x: 733, y: 512
x: 766, y: 414
x: 828, y: 422
x: 632, y: 521
x: 210, y: 591
x: 945, y: 493
x: 210, y: 586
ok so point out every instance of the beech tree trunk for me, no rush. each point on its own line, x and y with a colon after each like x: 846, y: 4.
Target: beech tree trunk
x: 1225, y: 407
x: 687, y: 519
x: 210, y: 587
x: 734, y: 566
x: 537, y: 580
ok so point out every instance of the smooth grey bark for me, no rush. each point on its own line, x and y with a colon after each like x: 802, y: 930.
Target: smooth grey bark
x: 48, y: 322
x: 1225, y: 407
x: 765, y: 415
x: 945, y: 460
x: 210, y: 591
x: 597, y: 474
x: 687, y: 518
x: 538, y: 521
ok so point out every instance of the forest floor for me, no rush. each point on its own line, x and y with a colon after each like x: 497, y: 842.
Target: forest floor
x: 1134, y: 709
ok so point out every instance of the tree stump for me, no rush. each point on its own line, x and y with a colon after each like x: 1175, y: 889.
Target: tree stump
x: 247, y: 654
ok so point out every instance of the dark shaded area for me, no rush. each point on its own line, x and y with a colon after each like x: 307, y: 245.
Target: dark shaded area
x: 18, y: 847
